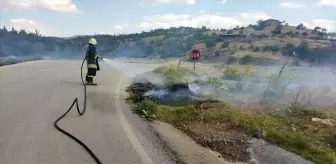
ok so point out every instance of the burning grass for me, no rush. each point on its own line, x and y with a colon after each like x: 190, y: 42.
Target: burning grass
x: 226, y: 127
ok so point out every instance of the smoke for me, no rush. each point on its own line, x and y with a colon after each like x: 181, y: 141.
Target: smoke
x: 8, y: 60
x: 308, y: 86
x: 313, y: 87
x: 131, y: 70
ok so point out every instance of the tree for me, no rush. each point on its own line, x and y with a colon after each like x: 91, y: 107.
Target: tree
x: 260, y: 25
x: 13, y: 31
x: 37, y: 33
x: 290, y: 45
x: 246, y: 59
x: 316, y: 29
x: 149, y: 49
x: 300, y: 27
x: 305, y: 34
x: 219, y: 39
x: 230, y: 32
x: 303, y: 50
x: 210, y: 43
x: 203, y: 29
x: 22, y: 32
x: 252, y: 46
x: 217, y: 53
x: 2, y: 53
x: 277, y: 30
x: 274, y: 49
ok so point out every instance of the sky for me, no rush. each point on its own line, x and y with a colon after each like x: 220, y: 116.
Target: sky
x: 65, y: 18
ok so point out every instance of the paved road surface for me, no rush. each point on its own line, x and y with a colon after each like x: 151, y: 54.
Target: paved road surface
x: 34, y: 94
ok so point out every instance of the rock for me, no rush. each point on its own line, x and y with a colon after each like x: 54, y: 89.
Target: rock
x: 324, y: 121
x: 257, y: 134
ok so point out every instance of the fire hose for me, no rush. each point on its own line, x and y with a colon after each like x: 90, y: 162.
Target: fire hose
x: 80, y: 114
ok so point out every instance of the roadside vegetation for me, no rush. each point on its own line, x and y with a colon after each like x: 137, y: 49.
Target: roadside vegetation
x: 226, y: 126
x: 14, y: 60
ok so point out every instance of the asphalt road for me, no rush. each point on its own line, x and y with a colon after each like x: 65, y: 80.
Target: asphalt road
x: 34, y: 94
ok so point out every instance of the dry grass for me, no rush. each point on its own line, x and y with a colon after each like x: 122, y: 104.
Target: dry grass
x: 266, y: 55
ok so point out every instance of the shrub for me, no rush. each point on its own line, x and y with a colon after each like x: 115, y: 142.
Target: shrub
x: 256, y: 49
x: 147, y: 108
x: 278, y: 83
x: 215, y: 82
x: 259, y: 36
x: 296, y: 63
x: 225, y: 44
x: 237, y: 74
x: 231, y: 60
x: 169, y: 70
x: 217, y: 53
x: 233, y: 73
x: 248, y: 59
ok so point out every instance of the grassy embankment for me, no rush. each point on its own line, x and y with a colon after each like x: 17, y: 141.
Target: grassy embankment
x: 226, y: 128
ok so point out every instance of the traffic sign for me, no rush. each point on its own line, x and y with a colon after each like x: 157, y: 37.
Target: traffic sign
x: 195, y: 55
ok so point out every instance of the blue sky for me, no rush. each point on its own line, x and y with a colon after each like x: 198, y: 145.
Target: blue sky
x: 74, y: 17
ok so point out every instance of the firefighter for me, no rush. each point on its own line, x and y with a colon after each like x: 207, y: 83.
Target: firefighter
x: 92, y: 61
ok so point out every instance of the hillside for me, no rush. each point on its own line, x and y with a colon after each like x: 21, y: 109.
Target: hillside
x: 265, y: 43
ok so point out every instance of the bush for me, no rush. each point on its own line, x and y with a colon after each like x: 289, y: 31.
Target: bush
x: 237, y: 74
x: 256, y: 49
x: 147, y: 108
x: 290, y: 33
x: 273, y: 48
x: 296, y: 63
x: 231, y: 60
x: 233, y: 73
x: 260, y: 36
x: 215, y: 82
x: 169, y: 70
x: 290, y: 45
x: 225, y: 44
x: 248, y: 59
x: 278, y: 83
x: 303, y: 50
x: 217, y: 53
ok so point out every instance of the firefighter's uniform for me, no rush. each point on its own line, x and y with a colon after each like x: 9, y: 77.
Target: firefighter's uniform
x: 92, y: 61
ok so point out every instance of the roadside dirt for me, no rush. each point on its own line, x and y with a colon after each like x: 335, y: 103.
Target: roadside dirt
x: 231, y: 143
x: 187, y: 149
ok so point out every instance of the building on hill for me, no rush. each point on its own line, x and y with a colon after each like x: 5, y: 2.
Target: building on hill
x: 272, y: 22
x: 332, y: 37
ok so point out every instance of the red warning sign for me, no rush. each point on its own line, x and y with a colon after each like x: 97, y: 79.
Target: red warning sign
x: 195, y: 55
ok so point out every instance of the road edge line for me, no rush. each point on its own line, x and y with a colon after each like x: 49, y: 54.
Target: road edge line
x: 145, y: 159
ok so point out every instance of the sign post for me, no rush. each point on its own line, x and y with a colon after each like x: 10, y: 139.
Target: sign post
x: 195, y: 55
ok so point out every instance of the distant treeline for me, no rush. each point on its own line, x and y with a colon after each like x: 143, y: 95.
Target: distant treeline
x: 165, y: 43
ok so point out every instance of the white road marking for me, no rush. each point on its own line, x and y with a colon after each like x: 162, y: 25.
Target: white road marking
x: 128, y: 129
